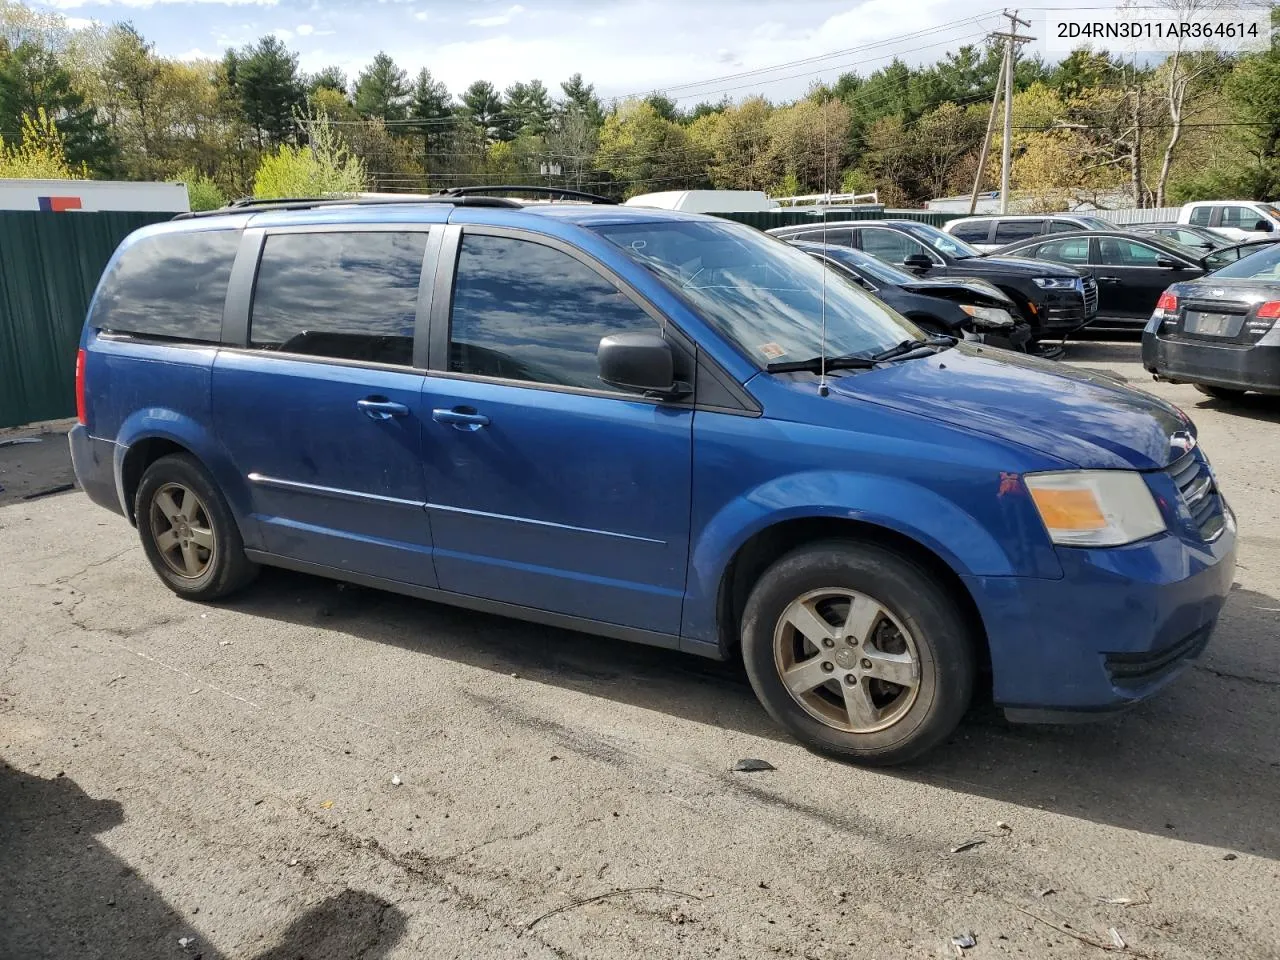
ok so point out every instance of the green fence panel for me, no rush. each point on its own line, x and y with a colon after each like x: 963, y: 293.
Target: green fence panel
x: 767, y: 219
x: 49, y: 266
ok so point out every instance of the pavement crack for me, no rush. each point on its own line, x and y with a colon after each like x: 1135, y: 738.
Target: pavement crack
x: 1227, y: 675
x: 67, y: 578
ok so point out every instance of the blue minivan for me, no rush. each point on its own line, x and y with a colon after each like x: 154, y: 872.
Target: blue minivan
x: 651, y: 426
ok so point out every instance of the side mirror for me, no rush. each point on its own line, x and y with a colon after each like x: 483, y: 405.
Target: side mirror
x: 917, y: 261
x: 1168, y: 264
x: 1264, y: 226
x: 642, y: 362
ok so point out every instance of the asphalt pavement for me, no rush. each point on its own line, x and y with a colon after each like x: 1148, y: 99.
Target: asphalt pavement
x: 318, y: 771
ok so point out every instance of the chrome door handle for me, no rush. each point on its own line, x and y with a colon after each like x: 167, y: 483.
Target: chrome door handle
x: 1108, y: 279
x: 460, y: 418
x: 378, y: 408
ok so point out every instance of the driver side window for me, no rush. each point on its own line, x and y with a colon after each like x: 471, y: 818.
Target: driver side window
x: 525, y: 311
x: 891, y: 246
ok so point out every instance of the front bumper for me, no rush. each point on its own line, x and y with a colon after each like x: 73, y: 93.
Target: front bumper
x: 1245, y: 366
x: 93, y: 460
x: 1062, y: 312
x: 1120, y: 624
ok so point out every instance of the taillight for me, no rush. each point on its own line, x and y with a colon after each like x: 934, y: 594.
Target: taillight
x: 1269, y: 310
x: 81, y: 406
x: 1168, y: 303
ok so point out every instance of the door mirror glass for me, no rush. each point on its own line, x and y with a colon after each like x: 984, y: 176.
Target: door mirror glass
x: 639, y: 361
x: 917, y: 261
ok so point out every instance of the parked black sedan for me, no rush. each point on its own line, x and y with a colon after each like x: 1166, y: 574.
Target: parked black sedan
x: 1131, y: 270
x: 1219, y: 332
x: 1056, y: 300
x: 966, y: 308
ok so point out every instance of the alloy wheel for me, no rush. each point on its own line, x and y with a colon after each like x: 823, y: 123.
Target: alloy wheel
x: 847, y: 660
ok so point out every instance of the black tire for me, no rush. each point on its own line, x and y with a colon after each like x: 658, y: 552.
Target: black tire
x: 910, y: 598
x: 219, y: 570
x: 1226, y: 394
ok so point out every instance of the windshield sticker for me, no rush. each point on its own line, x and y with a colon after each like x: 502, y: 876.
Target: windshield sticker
x: 771, y: 351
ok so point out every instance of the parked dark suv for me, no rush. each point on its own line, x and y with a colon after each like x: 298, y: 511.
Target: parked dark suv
x: 654, y: 426
x: 1055, y: 299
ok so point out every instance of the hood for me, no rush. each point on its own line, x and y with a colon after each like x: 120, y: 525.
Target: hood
x: 973, y: 290
x: 1019, y: 266
x: 1084, y: 418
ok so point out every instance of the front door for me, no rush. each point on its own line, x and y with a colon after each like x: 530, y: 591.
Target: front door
x: 547, y: 488
x: 320, y: 413
x: 1130, y: 278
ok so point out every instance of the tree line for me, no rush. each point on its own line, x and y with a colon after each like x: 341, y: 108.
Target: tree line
x: 101, y: 102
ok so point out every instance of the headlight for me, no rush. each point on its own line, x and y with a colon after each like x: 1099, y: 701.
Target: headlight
x: 989, y: 316
x: 1056, y: 283
x: 1095, y: 508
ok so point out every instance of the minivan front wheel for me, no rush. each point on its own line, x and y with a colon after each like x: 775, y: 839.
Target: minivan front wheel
x: 858, y: 651
x: 188, y: 531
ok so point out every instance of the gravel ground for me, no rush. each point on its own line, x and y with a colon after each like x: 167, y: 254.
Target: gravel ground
x: 313, y: 771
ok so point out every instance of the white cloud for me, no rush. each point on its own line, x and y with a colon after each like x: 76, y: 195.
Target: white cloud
x: 79, y: 23
x: 282, y: 34
x: 305, y: 30
x: 422, y: 15
x: 499, y: 20
x: 195, y: 53
x: 76, y: 4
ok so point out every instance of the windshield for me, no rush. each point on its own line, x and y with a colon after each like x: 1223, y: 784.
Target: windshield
x: 878, y: 269
x: 1263, y: 265
x: 761, y: 293
x: 942, y: 241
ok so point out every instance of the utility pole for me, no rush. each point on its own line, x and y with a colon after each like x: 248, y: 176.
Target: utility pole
x: 986, y: 141
x: 1011, y: 38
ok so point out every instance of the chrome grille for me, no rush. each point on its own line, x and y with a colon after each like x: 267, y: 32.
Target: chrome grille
x: 1090, y: 291
x: 1199, y: 493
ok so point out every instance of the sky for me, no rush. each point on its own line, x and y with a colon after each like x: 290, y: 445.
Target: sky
x: 690, y: 48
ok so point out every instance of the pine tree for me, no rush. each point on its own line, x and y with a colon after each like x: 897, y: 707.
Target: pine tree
x: 381, y: 91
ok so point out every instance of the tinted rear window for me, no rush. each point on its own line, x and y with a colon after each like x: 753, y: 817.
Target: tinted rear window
x: 976, y: 231
x: 171, y: 285
x: 1011, y: 231
x: 352, y: 296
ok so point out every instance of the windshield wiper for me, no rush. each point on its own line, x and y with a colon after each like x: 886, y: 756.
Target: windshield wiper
x: 901, y: 349
x: 815, y: 364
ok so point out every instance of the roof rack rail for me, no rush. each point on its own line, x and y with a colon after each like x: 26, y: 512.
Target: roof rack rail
x: 563, y: 193
x: 259, y: 205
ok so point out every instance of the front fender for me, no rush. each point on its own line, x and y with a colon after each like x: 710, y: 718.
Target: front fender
x: 161, y: 423
x: 962, y: 540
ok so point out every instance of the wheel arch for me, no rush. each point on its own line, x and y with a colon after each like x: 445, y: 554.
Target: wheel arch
x: 151, y: 434
x: 765, y: 547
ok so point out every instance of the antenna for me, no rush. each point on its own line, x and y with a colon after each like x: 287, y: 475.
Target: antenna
x: 823, y: 389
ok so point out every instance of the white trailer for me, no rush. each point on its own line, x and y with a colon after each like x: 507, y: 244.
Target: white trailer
x: 61, y: 196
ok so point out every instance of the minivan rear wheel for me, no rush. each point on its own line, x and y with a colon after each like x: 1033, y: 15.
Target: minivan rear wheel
x: 858, y: 651
x: 188, y: 532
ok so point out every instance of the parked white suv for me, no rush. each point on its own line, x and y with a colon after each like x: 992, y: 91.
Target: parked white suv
x: 991, y: 232
x: 1237, y: 219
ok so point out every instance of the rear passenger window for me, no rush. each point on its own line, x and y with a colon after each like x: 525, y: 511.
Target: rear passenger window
x: 171, y: 285
x: 1011, y: 231
x: 1200, y: 216
x: 524, y: 311
x: 1064, y: 251
x: 1063, y: 226
x: 350, y: 296
x: 976, y: 231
